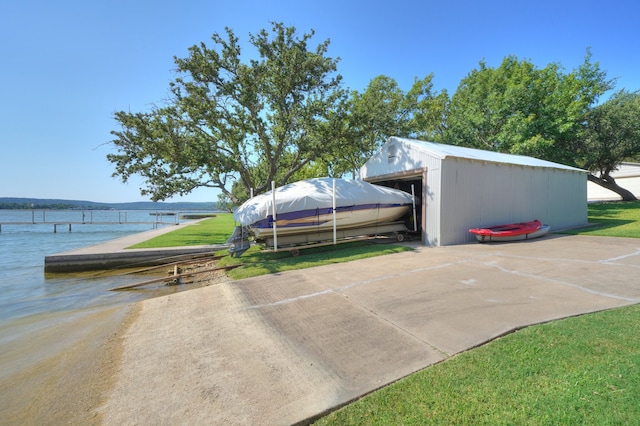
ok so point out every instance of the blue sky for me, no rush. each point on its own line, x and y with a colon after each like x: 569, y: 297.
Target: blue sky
x: 68, y: 65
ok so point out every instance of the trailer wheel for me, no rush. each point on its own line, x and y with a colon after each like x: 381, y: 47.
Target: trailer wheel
x: 295, y: 252
x: 399, y: 238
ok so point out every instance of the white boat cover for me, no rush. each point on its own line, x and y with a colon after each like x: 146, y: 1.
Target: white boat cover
x: 317, y: 193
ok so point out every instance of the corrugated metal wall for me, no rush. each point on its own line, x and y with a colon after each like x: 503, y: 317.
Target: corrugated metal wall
x: 404, y: 158
x: 479, y: 194
x: 466, y: 193
x: 432, y: 199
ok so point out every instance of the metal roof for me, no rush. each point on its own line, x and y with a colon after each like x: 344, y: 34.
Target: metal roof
x: 443, y: 151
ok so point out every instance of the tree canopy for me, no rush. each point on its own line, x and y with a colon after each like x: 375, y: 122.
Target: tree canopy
x: 236, y: 121
x: 255, y: 121
x: 518, y: 108
x: 612, y: 135
x: 383, y: 109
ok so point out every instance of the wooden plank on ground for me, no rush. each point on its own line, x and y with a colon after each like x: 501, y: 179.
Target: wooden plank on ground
x: 173, y: 277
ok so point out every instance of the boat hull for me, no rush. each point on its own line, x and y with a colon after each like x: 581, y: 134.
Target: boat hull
x: 511, y: 232
x: 319, y: 220
x: 540, y: 232
x: 308, y: 207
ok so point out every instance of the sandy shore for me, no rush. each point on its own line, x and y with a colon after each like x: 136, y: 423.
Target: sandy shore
x: 63, y: 372
x: 60, y: 374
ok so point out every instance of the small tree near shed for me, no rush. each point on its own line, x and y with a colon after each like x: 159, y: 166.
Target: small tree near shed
x: 612, y: 135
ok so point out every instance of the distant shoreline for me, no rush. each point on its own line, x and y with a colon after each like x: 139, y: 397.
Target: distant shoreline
x: 13, y: 203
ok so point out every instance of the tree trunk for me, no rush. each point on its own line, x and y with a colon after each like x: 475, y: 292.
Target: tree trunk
x: 608, y: 182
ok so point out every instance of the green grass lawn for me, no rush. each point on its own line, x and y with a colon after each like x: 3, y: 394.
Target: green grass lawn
x: 616, y: 219
x: 582, y: 370
x: 215, y: 230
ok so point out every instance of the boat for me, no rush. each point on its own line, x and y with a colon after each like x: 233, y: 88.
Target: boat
x: 511, y: 231
x: 307, y: 208
x: 307, y: 205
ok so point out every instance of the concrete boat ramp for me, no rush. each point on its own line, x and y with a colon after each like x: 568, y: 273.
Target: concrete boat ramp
x: 114, y: 254
x: 285, y: 348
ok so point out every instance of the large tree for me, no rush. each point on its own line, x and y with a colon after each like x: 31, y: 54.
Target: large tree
x: 612, y: 136
x: 383, y: 109
x: 230, y: 120
x: 520, y: 109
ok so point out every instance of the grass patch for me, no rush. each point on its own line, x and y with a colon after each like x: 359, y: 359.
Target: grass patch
x: 259, y: 262
x: 216, y: 230
x: 615, y: 219
x: 581, y: 370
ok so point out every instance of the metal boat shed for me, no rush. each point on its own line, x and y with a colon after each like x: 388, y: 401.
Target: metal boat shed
x: 460, y: 188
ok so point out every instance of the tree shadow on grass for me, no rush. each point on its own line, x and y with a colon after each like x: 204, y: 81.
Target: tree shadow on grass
x: 612, y: 209
x: 604, y: 224
x: 600, y: 226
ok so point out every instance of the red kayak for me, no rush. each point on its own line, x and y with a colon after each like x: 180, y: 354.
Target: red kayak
x: 511, y: 231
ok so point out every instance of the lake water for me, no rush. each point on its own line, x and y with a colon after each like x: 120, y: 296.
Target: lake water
x: 28, y: 297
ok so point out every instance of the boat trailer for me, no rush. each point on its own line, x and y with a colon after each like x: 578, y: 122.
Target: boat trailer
x: 239, y: 241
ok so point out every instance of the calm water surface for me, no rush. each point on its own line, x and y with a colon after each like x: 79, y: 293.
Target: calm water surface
x: 28, y: 297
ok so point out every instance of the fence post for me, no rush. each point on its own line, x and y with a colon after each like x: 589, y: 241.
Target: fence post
x: 334, y: 213
x: 275, y: 228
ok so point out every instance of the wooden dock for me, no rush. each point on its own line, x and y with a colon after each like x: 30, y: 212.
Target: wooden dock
x: 68, y: 224
x: 87, y: 219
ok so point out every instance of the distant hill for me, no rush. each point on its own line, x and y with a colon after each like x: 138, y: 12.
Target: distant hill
x: 43, y: 203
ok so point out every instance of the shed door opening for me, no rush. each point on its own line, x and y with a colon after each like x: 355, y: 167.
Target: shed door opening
x: 403, y: 182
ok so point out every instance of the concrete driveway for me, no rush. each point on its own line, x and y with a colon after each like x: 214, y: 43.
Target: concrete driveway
x: 284, y: 348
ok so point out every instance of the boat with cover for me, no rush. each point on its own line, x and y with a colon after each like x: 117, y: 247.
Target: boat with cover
x: 306, y: 209
x: 511, y: 231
